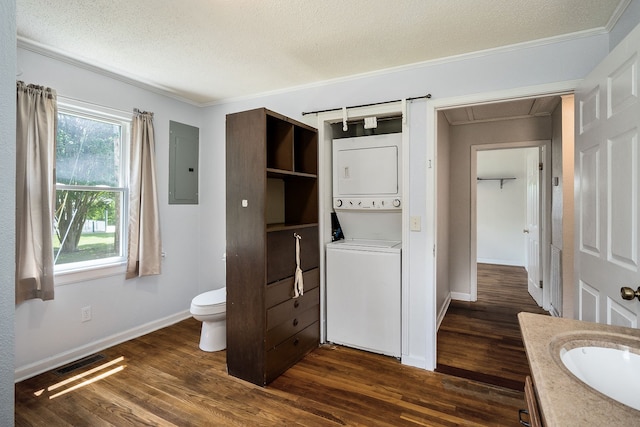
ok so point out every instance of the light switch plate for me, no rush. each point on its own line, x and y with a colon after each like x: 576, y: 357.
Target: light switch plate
x: 415, y: 223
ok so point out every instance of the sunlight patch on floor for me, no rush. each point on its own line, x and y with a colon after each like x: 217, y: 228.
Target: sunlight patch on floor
x: 81, y: 376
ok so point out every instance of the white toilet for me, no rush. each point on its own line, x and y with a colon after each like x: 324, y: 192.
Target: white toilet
x: 211, y: 309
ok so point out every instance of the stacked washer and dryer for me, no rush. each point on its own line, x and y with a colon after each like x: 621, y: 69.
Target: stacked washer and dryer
x: 364, y: 269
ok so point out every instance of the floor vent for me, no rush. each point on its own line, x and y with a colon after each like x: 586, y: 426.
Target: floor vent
x: 79, y: 364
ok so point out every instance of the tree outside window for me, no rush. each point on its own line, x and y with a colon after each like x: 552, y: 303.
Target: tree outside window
x: 90, y: 190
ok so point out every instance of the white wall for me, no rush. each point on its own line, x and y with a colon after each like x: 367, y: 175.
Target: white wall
x: 443, y: 296
x: 420, y: 309
x: 7, y: 205
x: 50, y: 333
x: 556, y: 171
x: 480, y: 73
x: 625, y: 24
x: 501, y: 212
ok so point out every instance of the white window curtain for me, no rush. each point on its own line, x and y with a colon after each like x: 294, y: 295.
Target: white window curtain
x: 36, y: 126
x: 145, y: 247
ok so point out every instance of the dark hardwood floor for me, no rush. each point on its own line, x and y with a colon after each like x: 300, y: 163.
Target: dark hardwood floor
x: 481, y: 340
x: 163, y: 379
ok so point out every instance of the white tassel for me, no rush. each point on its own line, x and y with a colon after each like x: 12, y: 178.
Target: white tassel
x: 345, y: 127
x: 298, y: 284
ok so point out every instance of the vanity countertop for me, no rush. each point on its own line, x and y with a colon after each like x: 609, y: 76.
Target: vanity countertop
x: 563, y: 399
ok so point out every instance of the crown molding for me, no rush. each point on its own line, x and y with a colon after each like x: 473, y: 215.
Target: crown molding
x: 50, y: 52
x: 615, y: 17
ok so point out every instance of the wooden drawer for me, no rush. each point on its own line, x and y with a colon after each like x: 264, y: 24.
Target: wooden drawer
x: 292, y: 308
x: 533, y: 409
x: 286, y: 354
x: 292, y: 326
x: 283, y: 290
x: 281, y: 252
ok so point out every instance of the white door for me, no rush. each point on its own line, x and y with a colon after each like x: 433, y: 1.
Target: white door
x: 532, y: 230
x: 607, y: 188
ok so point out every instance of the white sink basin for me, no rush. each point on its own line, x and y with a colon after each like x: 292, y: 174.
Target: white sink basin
x: 614, y: 372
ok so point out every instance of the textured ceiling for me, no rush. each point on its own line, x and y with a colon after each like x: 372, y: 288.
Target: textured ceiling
x: 209, y: 50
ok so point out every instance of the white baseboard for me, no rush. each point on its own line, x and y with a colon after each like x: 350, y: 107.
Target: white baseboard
x: 416, y: 362
x: 443, y: 311
x: 459, y: 296
x: 511, y: 262
x: 28, y: 371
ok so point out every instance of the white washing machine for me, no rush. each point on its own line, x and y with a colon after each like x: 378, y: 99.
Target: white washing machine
x: 363, y: 295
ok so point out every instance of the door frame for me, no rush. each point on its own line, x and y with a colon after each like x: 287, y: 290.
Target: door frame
x: 545, y: 207
x: 432, y: 108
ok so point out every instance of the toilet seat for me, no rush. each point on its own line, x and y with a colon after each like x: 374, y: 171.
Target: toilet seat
x: 211, y: 302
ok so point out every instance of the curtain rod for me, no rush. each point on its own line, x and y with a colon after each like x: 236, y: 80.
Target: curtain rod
x: 427, y: 96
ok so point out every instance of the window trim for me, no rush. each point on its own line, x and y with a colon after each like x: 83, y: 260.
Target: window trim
x: 104, y: 267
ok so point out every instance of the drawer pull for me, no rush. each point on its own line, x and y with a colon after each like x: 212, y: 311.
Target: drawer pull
x: 295, y: 322
x: 296, y: 341
x: 296, y: 304
x: 523, y: 422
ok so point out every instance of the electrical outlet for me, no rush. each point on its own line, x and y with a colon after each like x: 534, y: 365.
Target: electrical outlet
x: 85, y: 313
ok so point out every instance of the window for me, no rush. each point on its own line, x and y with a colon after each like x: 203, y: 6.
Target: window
x: 91, y: 188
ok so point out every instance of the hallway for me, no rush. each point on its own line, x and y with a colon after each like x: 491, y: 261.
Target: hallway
x: 481, y: 340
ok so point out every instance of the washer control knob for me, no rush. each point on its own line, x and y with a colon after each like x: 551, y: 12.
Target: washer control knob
x: 338, y: 203
x: 396, y: 202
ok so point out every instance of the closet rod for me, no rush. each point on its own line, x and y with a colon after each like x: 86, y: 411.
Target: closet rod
x: 427, y: 96
x: 502, y: 180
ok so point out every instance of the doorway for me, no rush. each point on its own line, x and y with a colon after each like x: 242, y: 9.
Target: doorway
x: 507, y: 210
x: 510, y: 210
x: 479, y: 130
x: 470, y: 129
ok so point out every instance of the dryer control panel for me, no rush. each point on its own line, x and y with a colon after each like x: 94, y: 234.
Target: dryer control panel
x: 379, y: 203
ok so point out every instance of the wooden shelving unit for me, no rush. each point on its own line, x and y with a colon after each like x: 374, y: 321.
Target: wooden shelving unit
x: 272, y: 194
